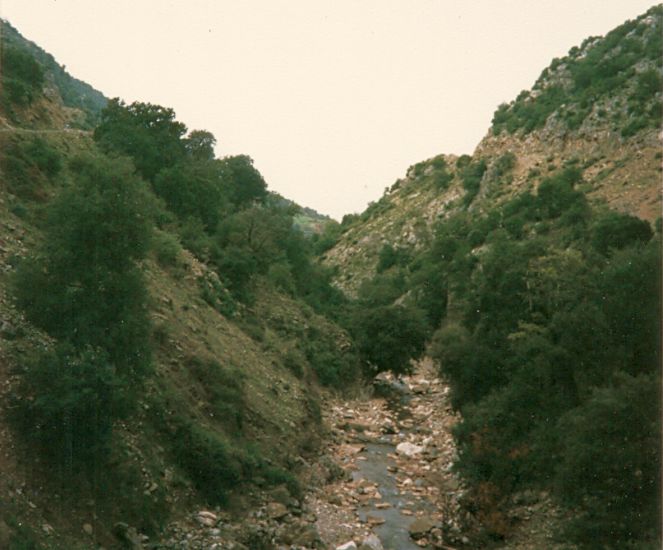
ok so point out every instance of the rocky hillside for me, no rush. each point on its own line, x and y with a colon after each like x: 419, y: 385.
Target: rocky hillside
x: 231, y: 405
x: 598, y: 108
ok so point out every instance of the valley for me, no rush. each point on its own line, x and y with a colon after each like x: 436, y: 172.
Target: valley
x: 189, y: 360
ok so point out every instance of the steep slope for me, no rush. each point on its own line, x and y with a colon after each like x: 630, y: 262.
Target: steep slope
x: 77, y: 98
x: 537, y: 266
x: 231, y: 405
x: 598, y: 108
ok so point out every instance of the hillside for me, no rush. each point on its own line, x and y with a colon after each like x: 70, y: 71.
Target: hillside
x: 229, y: 404
x: 77, y: 98
x: 598, y: 108
x: 189, y: 360
x: 536, y: 265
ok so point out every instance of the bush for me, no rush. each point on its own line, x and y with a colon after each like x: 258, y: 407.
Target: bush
x: 280, y: 276
x: 167, y: 248
x: 295, y: 361
x: 212, y: 463
x: 216, y: 295
x: 71, y: 399
x: 44, y: 156
x: 556, y: 194
x: 617, y: 231
x: 615, y: 494
x: 388, y: 337
x: 471, y: 173
x: 29, y: 165
x: 22, y: 76
x: 224, y: 388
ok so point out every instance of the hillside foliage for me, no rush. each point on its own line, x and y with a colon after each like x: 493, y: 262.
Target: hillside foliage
x: 546, y: 314
x: 589, y: 80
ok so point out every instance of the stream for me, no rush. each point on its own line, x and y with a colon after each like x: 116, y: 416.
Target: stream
x: 379, y: 468
x: 397, y: 451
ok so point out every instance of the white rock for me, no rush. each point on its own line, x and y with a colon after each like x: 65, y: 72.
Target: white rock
x: 371, y: 542
x: 409, y: 449
x: 347, y: 546
x: 206, y: 518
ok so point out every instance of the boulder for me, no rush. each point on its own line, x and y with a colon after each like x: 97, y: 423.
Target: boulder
x: 206, y: 518
x: 347, y: 546
x: 371, y: 542
x: 307, y: 536
x: 276, y: 510
x: 409, y: 449
x: 374, y: 520
x: 420, y: 527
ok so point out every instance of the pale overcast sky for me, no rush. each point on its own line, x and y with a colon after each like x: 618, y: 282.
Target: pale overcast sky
x: 332, y: 99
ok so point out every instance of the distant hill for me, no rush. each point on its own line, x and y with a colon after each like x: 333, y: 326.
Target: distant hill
x: 308, y: 220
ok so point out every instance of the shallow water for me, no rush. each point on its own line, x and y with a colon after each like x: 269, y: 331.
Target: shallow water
x: 394, y: 531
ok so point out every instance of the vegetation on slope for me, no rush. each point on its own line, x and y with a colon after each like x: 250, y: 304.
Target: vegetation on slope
x: 171, y: 319
x: 26, y: 67
x: 589, y: 82
x: 548, y: 323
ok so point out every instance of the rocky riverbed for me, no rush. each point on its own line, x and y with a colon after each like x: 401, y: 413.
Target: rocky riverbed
x: 384, y: 481
x: 395, y: 451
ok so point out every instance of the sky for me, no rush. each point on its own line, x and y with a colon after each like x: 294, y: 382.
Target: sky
x: 333, y: 99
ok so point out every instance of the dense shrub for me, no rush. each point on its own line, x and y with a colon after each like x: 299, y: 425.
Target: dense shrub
x: 333, y: 367
x: 616, y: 231
x: 72, y: 400
x: 610, y: 469
x: 471, y: 174
x: 22, y: 75
x: 83, y: 287
x: 601, y: 71
x: 388, y: 337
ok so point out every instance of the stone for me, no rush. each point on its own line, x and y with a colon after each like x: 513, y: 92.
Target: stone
x: 276, y: 510
x: 420, y: 527
x: 371, y: 542
x: 347, y: 546
x: 206, y: 518
x: 409, y: 449
x: 87, y: 529
x: 307, y: 536
x: 8, y: 331
x: 48, y: 529
x: 374, y: 520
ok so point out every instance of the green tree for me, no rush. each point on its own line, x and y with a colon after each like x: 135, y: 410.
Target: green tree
x: 246, y: 184
x: 615, y: 231
x: 388, y: 337
x: 200, y: 144
x: 83, y: 286
x: 193, y: 189
x: 148, y: 133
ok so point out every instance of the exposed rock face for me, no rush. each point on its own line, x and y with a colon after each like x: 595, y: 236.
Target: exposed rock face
x: 618, y: 154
